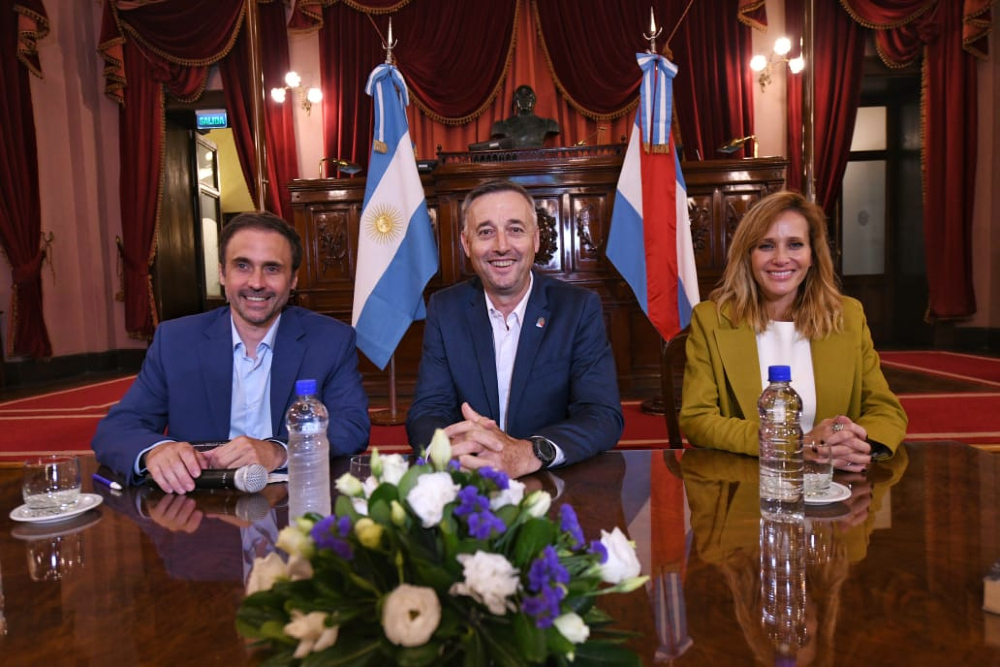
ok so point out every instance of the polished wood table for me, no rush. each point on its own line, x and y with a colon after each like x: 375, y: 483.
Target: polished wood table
x: 892, y: 576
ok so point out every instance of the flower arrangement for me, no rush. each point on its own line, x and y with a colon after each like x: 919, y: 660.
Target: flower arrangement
x: 431, y: 564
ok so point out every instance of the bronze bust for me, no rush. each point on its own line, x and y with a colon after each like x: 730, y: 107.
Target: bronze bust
x: 524, y: 128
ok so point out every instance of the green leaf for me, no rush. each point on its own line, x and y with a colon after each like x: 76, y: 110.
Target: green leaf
x: 417, y: 656
x: 475, y: 655
x: 343, y: 507
x: 530, y: 639
x: 532, y: 538
x: 499, y: 645
x: 379, y: 511
x: 409, y: 480
x: 604, y: 654
x: 385, y: 493
x: 349, y: 651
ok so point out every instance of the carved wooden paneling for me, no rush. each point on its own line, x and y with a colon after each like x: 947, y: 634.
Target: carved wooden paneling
x: 574, y: 191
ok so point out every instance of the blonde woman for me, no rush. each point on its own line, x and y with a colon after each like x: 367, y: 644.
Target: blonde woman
x: 778, y: 303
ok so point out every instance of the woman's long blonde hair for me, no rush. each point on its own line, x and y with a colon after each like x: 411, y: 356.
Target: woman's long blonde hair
x: 817, y: 308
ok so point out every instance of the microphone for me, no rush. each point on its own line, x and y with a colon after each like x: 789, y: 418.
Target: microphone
x: 583, y: 142
x: 250, y: 478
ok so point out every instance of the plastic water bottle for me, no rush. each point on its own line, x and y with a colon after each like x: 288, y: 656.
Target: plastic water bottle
x: 308, y: 453
x: 780, y: 409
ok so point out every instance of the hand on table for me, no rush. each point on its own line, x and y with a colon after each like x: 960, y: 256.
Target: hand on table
x: 244, y: 450
x: 478, y: 442
x: 850, y: 450
x: 175, y: 465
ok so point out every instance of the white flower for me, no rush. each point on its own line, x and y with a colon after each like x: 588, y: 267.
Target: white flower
x: 512, y: 495
x: 393, y: 468
x: 410, y: 615
x: 622, y: 562
x: 299, y: 568
x: 295, y: 542
x: 538, y: 503
x: 311, y: 631
x: 429, y: 496
x: 265, y: 572
x: 348, y: 485
x: 572, y: 627
x: 360, y: 505
x: 489, y: 579
x: 440, y: 450
x: 369, y: 485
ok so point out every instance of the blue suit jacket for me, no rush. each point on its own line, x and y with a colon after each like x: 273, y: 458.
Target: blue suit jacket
x: 185, y: 385
x: 564, y: 384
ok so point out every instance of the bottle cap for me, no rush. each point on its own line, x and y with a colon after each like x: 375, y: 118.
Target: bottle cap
x: 779, y: 374
x: 305, y: 387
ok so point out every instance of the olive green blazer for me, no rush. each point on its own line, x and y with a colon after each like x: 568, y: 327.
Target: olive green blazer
x: 722, y: 382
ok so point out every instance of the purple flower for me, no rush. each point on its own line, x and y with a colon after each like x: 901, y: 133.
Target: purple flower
x: 454, y: 465
x: 498, y: 477
x: 482, y: 524
x: 421, y: 461
x: 544, y: 579
x: 597, y: 548
x: 475, y: 508
x: 569, y: 524
x: 325, y: 538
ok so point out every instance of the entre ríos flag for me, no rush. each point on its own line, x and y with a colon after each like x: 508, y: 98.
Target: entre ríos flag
x: 397, y: 253
x: 650, y: 237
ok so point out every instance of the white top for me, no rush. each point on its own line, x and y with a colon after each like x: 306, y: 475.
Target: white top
x: 781, y: 345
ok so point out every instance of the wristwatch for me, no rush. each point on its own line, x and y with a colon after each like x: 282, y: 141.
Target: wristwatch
x: 543, y: 449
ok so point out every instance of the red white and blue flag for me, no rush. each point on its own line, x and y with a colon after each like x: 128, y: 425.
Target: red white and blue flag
x: 650, y: 237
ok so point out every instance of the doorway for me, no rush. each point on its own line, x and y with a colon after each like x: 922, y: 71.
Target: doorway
x: 880, y: 214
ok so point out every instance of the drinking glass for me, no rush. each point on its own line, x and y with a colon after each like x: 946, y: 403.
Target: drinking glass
x: 818, y: 467
x: 51, y: 482
x: 361, y: 466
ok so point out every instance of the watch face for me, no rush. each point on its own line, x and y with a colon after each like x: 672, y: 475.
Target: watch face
x: 544, y: 450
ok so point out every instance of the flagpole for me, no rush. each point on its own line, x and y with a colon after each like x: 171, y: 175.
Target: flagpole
x: 257, y: 104
x: 390, y: 417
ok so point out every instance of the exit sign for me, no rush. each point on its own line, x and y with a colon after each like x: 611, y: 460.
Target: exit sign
x: 211, y: 119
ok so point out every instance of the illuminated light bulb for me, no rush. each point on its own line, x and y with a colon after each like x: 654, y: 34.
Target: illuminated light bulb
x: 278, y: 95
x: 293, y: 80
x: 782, y: 46
x: 758, y: 63
x: 796, y: 65
x: 314, y: 95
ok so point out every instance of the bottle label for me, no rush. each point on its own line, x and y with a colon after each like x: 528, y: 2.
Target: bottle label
x: 309, y: 429
x: 777, y: 412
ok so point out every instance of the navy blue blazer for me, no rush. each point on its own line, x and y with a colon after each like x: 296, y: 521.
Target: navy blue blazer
x: 564, y: 385
x: 185, y: 385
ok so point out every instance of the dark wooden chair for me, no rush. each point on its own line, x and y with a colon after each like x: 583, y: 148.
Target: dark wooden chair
x: 672, y: 358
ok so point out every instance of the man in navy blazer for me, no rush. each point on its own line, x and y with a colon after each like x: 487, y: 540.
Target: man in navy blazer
x: 516, y: 366
x: 255, y: 349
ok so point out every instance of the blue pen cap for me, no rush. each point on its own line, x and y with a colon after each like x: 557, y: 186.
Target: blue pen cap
x: 779, y: 374
x: 305, y: 387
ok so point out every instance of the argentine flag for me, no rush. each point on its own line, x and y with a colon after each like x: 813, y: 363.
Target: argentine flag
x: 397, y: 252
x: 650, y: 237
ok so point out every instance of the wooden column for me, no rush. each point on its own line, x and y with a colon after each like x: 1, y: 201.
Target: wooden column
x: 257, y: 103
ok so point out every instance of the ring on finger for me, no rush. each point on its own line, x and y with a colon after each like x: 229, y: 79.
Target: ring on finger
x: 837, y: 427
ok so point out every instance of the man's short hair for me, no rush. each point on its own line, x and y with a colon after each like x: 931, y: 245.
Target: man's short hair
x: 492, y: 187
x: 264, y: 221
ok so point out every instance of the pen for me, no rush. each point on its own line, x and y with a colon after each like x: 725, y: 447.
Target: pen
x: 104, y: 480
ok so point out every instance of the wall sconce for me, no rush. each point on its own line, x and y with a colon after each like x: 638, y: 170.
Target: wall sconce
x: 308, y: 97
x: 734, y: 145
x: 764, y: 64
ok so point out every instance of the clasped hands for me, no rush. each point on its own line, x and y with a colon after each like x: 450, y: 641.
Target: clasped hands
x: 848, y: 443
x: 478, y: 441
x: 175, y: 465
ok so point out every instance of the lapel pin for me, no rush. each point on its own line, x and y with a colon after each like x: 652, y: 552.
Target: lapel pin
x: 540, y: 323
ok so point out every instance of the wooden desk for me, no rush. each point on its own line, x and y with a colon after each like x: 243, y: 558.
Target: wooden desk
x: 904, y: 585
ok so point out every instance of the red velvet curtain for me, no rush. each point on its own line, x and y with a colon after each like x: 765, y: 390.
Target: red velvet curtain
x: 152, y: 48
x: 582, y: 50
x: 839, y: 51
x: 279, y: 131
x: 21, y: 24
x: 948, y: 34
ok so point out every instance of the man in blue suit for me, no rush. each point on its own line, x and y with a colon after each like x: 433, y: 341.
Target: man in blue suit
x: 229, y: 375
x: 516, y: 366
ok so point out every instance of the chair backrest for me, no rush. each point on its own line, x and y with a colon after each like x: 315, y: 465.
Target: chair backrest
x: 673, y: 356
